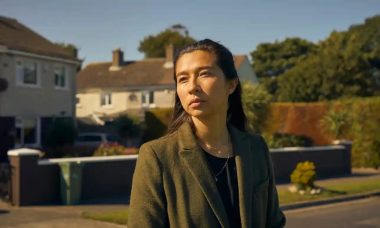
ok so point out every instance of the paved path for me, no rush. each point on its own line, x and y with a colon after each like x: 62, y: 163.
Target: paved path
x: 352, y: 214
x: 54, y: 216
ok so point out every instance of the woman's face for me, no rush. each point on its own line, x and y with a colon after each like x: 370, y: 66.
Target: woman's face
x: 201, y: 85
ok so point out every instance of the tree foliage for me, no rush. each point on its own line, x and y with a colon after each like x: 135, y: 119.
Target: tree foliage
x: 346, y: 64
x: 273, y: 59
x: 153, y: 46
x: 256, y: 101
x: 70, y: 48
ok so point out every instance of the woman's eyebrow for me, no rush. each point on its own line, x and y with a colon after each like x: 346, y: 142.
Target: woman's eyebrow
x: 196, y: 70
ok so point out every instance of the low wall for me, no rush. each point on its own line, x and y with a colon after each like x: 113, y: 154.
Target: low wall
x: 329, y: 160
x: 35, y: 181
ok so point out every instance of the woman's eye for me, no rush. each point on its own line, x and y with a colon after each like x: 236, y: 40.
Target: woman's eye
x: 205, y: 73
x: 181, y: 79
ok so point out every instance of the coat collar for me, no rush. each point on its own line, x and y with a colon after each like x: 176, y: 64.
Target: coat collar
x: 196, y: 162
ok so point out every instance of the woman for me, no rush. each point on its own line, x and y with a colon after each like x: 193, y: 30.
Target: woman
x: 208, y: 171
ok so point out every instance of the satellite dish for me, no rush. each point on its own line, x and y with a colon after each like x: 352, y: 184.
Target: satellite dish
x: 3, y: 84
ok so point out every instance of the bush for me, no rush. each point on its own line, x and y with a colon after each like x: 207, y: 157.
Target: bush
x: 127, y: 127
x: 61, y: 132
x: 279, y: 140
x: 156, y: 123
x: 109, y: 149
x: 336, y: 122
x: 256, y: 101
x: 304, y: 175
x: 60, y: 138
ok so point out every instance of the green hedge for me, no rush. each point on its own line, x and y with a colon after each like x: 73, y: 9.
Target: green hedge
x: 303, y: 123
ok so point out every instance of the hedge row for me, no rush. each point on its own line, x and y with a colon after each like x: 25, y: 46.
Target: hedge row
x: 305, y: 120
x: 362, y: 116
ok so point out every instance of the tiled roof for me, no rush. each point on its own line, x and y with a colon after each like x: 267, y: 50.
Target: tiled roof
x: 16, y: 36
x: 147, y: 72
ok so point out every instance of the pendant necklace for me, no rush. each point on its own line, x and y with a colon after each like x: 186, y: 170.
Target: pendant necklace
x: 221, y: 170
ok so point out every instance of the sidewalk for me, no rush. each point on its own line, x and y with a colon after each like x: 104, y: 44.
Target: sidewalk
x: 70, y: 216
x: 54, y: 216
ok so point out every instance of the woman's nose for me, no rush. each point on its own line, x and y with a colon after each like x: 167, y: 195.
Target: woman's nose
x: 193, y: 86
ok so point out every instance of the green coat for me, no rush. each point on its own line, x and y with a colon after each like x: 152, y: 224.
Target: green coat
x: 173, y: 187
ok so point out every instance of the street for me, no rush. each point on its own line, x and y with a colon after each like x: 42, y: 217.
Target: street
x: 358, y: 213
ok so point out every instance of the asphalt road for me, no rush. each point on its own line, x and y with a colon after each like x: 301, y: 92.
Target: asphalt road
x: 357, y: 213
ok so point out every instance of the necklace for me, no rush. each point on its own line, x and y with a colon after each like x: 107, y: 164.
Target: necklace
x: 221, y: 170
x: 223, y: 151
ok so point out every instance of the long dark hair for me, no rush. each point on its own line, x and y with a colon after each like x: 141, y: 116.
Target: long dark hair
x: 225, y: 61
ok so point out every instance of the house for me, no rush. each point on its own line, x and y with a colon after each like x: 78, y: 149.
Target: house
x: 37, y: 83
x: 108, y: 89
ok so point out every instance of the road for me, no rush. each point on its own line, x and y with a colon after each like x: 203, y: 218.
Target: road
x: 358, y: 213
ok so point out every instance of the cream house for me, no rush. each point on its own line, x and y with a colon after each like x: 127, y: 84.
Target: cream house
x: 37, y: 83
x: 105, y: 90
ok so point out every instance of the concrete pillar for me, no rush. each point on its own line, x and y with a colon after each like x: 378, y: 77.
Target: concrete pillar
x: 23, y: 163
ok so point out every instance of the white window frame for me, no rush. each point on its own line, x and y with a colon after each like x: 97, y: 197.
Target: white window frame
x: 57, y: 69
x: 20, y: 67
x: 147, y: 99
x: 108, y: 99
x: 20, y: 124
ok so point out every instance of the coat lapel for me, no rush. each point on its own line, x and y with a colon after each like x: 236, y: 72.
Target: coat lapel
x: 196, y: 162
x: 242, y: 150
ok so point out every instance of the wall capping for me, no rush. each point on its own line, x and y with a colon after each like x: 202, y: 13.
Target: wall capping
x: 79, y: 160
x: 24, y: 152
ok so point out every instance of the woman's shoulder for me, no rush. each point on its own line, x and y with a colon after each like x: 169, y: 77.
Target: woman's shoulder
x: 160, y: 145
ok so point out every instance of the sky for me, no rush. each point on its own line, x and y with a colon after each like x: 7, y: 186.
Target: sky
x: 98, y: 27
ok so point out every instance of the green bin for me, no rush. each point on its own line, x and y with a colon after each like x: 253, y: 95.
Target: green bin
x: 71, y: 182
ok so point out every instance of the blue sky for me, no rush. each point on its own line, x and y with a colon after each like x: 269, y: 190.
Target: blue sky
x: 98, y: 27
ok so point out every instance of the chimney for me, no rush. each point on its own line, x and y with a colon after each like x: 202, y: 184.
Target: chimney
x: 117, y: 59
x: 169, y: 56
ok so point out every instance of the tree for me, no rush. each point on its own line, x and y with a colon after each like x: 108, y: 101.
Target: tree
x: 153, y: 46
x: 273, y: 59
x: 345, y: 65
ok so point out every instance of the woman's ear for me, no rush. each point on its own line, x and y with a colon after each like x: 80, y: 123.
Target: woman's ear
x: 232, y: 85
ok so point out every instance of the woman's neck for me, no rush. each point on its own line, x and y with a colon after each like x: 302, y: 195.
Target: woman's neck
x: 213, y: 133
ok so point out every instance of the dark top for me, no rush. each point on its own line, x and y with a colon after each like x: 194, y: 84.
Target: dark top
x: 230, y: 196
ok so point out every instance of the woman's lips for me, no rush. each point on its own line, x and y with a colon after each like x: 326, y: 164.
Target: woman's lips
x: 195, y: 102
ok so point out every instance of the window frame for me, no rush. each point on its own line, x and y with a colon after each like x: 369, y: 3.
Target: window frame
x: 107, y: 102
x: 20, y: 72
x: 64, y: 76
x: 147, y: 99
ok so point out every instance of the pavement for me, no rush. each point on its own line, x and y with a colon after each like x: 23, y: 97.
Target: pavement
x: 363, y: 213
x: 70, y: 216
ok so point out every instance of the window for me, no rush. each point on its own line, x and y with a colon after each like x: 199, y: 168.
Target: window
x: 105, y: 99
x: 147, y: 99
x: 27, y: 132
x: 60, y: 78
x: 27, y: 73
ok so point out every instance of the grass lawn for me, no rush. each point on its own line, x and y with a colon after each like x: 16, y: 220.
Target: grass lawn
x: 333, y: 189
x: 119, y: 217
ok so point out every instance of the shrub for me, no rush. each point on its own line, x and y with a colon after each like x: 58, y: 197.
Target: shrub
x: 336, y: 122
x: 127, y: 127
x: 256, y: 101
x: 156, y: 123
x: 109, y: 149
x: 304, y: 175
x: 279, y: 140
x: 62, y: 131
